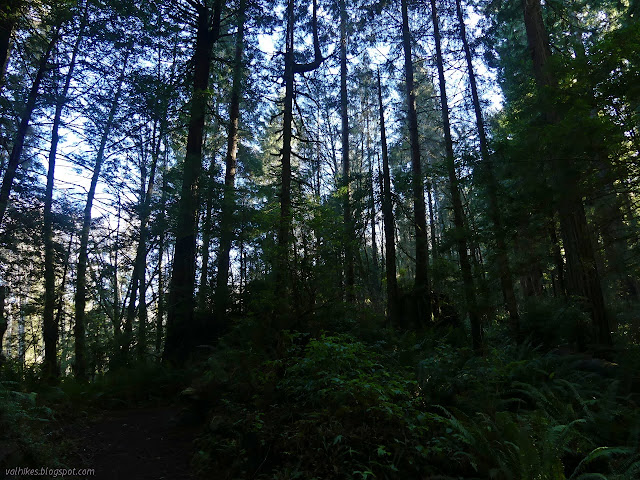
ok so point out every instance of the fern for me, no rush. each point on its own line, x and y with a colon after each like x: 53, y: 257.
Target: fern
x: 599, y: 452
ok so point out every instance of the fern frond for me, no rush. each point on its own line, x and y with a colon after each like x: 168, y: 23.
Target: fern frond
x: 597, y: 453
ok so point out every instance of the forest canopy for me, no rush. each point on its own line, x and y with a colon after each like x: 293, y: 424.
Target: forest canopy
x: 382, y: 219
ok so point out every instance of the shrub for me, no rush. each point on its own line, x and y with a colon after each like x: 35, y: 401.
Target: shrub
x: 22, y: 438
x: 335, y: 408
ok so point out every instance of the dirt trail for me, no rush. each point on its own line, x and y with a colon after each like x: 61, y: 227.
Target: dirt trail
x: 136, y: 444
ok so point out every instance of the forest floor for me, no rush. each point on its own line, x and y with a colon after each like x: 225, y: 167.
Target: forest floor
x: 138, y: 443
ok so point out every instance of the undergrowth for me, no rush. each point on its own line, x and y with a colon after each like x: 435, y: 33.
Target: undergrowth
x: 23, y: 427
x: 408, y: 406
x: 144, y: 384
x: 368, y: 403
x: 33, y: 414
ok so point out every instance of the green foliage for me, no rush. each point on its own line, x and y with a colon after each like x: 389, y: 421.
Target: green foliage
x: 519, y: 414
x: 338, y: 371
x: 22, y: 427
x: 336, y: 406
x: 551, y: 322
x: 333, y: 408
x: 141, y: 384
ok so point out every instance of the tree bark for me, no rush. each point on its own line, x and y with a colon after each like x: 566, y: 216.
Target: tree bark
x: 393, y: 303
x: 290, y: 69
x: 222, y: 294
x: 141, y: 254
x: 60, y: 306
x: 18, y: 144
x: 142, y: 307
x: 382, y: 190
x: 119, y: 333
x: 3, y: 319
x: 8, y: 16
x: 282, y: 261
x: 614, y: 232
x: 81, y: 269
x: 349, y: 237
x: 506, y: 280
x: 181, y: 331
x: 456, y: 200
x: 50, y: 327
x: 432, y: 226
x: 161, y: 246
x: 204, y: 289
x: 583, y: 278
x: 608, y: 210
x: 559, y: 288
x: 138, y: 276
x: 372, y: 213
x: 422, y: 287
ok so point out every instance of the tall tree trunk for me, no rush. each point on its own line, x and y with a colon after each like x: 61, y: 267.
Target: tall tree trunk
x: 50, y: 327
x: 349, y: 237
x: 372, y: 213
x: 141, y: 255
x: 160, y: 307
x: 203, y: 287
x: 181, y: 331
x: 18, y: 144
x: 393, y: 302
x: 3, y: 319
x: 506, y: 280
x: 560, y: 289
x: 22, y: 340
x: 243, y: 274
x: 432, y: 224
x: 456, y: 200
x: 119, y: 333
x: 161, y: 221
x: 60, y: 306
x: 290, y: 69
x: 81, y: 269
x: 161, y: 246
x: 142, y: 309
x: 8, y: 16
x: 608, y: 210
x: 138, y: 276
x: 614, y: 232
x: 422, y: 287
x: 318, y: 161
x: 222, y: 297
x: 282, y: 260
x: 382, y: 190
x: 583, y: 278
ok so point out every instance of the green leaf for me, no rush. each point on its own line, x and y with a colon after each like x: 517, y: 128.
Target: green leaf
x: 597, y: 453
x: 366, y: 474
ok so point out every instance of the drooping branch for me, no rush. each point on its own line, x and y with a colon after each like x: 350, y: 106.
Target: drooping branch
x: 317, y: 54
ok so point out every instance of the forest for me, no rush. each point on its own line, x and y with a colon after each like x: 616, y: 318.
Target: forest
x: 320, y: 239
